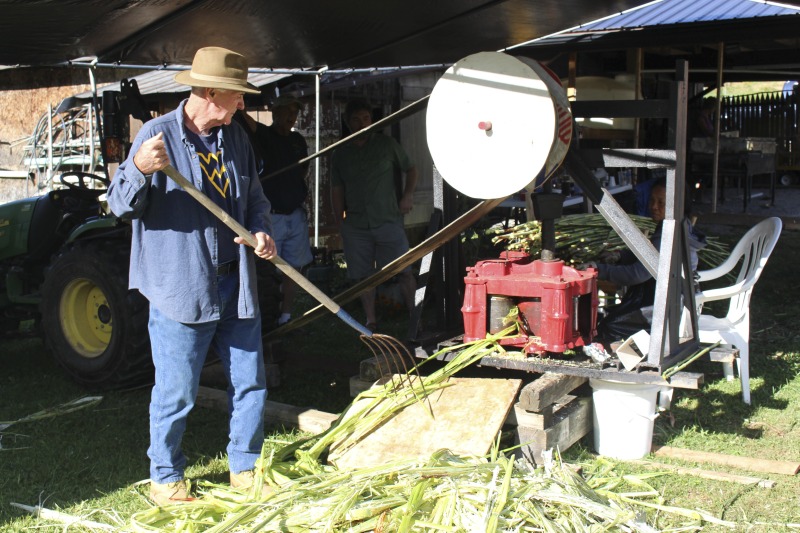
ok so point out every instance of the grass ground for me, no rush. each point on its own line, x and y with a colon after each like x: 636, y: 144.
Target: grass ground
x: 88, y: 463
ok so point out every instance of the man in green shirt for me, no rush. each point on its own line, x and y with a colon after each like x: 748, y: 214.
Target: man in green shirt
x: 366, y: 205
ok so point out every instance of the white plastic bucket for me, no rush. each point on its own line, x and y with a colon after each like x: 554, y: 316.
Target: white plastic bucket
x: 623, y: 418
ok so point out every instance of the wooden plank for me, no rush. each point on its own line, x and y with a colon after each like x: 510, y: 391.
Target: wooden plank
x: 570, y: 423
x: 723, y: 354
x: 709, y: 474
x: 541, y: 420
x: 547, y: 389
x: 520, y: 417
x: 276, y: 413
x: 467, y: 417
x: 789, y: 468
x: 686, y: 380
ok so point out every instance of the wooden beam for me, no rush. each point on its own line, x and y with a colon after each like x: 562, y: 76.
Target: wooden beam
x: 547, y: 389
x: 709, y: 474
x: 788, y: 468
x: 276, y: 413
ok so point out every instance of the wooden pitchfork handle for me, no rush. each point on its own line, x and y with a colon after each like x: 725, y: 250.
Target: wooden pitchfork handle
x: 248, y: 237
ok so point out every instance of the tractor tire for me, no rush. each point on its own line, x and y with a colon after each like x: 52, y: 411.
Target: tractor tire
x: 95, y: 327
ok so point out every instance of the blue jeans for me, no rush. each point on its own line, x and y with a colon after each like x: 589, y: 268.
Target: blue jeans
x: 179, y: 351
x: 290, y: 233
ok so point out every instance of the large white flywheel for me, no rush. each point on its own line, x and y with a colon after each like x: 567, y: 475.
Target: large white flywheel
x: 495, y: 122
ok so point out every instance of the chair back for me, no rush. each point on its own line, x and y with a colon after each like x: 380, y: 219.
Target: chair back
x: 751, y: 253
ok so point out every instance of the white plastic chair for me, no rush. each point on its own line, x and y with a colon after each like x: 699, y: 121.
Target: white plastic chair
x: 750, y: 254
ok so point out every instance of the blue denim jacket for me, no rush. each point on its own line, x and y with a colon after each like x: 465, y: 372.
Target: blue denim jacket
x: 174, y: 246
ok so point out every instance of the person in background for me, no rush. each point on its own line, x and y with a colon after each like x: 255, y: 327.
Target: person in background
x: 704, y: 125
x: 198, y: 276
x: 279, y: 147
x: 367, y: 206
x: 623, y: 268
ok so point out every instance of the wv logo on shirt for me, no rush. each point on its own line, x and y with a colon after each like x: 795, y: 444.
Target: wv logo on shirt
x: 214, y: 170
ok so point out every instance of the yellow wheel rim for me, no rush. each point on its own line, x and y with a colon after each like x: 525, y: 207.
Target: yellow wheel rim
x: 85, y: 318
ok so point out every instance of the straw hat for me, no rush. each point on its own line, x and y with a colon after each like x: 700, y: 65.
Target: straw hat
x: 218, y: 68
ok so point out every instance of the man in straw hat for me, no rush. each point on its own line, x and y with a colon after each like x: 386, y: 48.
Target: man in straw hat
x: 198, y: 276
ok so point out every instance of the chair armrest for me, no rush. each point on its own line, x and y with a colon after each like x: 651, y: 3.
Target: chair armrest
x: 719, y: 271
x: 723, y: 293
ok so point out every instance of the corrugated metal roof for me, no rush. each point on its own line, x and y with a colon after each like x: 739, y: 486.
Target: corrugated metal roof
x: 158, y: 82
x: 664, y: 12
x: 161, y: 81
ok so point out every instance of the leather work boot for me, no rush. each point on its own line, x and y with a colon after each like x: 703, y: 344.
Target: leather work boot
x: 163, y: 494
x: 243, y: 482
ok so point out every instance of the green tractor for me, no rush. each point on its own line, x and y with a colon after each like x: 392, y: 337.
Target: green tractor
x: 64, y: 266
x: 64, y: 261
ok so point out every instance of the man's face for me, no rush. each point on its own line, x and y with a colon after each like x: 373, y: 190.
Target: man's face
x: 658, y: 203
x: 284, y: 118
x: 359, y: 120
x: 224, y: 104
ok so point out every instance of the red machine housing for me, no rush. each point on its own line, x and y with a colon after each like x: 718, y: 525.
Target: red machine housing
x: 557, y: 304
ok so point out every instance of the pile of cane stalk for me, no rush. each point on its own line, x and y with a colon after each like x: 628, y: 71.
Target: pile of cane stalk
x: 444, y: 492
x: 587, y: 237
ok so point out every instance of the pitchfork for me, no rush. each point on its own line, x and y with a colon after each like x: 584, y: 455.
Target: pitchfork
x: 387, y: 348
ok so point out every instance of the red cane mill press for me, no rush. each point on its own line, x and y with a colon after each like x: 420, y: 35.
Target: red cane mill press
x: 495, y: 122
x: 557, y: 304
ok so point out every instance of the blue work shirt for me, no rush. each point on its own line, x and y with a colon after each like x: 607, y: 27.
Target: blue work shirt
x: 175, y: 241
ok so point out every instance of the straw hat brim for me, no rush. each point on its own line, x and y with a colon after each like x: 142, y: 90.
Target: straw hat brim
x: 185, y: 78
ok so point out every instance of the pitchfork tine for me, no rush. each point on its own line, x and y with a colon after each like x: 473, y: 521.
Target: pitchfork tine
x: 381, y: 352
x: 391, y: 350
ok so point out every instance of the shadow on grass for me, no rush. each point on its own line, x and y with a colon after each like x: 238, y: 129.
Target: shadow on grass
x: 85, y: 455
x: 717, y: 407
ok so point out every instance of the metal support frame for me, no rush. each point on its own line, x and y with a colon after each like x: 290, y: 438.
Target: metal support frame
x: 670, y: 267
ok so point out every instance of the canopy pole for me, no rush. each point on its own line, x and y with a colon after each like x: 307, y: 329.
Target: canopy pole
x: 49, y: 173
x: 634, y: 178
x: 95, y: 105
x: 717, y: 113
x: 317, y: 115
x: 637, y: 84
